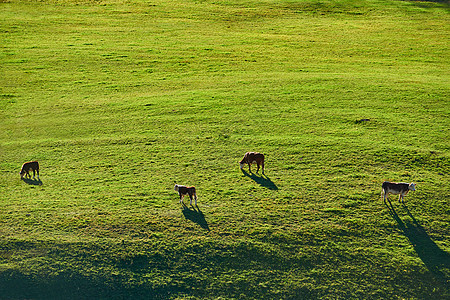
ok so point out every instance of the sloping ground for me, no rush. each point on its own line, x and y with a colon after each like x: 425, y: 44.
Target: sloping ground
x: 119, y: 100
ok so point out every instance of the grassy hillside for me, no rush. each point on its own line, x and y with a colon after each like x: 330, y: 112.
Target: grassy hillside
x: 118, y: 100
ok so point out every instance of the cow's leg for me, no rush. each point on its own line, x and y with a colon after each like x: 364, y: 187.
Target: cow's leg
x: 37, y: 171
x: 249, y: 167
x: 385, y: 196
x: 262, y: 165
x: 190, y: 197
x: 257, y: 169
x: 181, y: 198
x: 34, y: 173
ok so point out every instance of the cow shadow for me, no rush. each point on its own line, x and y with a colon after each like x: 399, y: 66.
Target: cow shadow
x: 434, y: 258
x: 195, y: 215
x: 262, y: 180
x: 33, y: 181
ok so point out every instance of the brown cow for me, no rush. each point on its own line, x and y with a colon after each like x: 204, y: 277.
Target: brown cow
x: 184, y: 190
x: 29, y: 166
x: 251, y: 158
x: 396, y: 189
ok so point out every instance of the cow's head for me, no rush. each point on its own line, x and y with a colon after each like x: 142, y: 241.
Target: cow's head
x: 176, y: 188
x: 412, y: 186
x: 241, y: 164
x: 22, y: 173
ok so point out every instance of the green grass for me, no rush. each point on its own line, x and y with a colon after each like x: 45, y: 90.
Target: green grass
x: 118, y: 100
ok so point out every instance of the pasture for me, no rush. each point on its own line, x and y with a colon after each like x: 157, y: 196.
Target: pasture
x: 119, y: 100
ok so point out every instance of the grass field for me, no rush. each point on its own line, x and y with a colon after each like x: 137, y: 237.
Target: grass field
x: 118, y: 100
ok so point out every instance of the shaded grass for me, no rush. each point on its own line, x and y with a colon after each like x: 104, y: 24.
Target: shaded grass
x: 120, y: 100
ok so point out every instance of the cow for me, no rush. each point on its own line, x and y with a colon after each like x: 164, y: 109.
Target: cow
x: 396, y: 189
x: 29, y: 166
x: 184, y: 190
x: 252, y: 158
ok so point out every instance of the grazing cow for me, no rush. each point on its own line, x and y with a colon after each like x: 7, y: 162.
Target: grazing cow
x: 251, y: 158
x: 396, y: 189
x: 184, y: 190
x: 29, y: 166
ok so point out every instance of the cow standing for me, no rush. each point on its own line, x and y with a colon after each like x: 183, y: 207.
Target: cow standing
x: 252, y: 158
x: 184, y: 190
x: 29, y: 166
x: 396, y: 189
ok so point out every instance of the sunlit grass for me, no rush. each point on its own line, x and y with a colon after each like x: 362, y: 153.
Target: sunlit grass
x: 119, y: 100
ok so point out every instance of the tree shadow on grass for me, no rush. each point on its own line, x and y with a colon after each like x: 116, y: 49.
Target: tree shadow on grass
x: 262, y: 180
x: 71, y: 285
x: 196, y: 216
x: 435, y: 259
x: 33, y: 181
